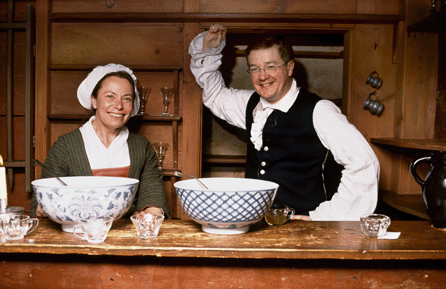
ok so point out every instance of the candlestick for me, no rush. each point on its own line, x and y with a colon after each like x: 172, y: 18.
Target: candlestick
x: 3, y: 192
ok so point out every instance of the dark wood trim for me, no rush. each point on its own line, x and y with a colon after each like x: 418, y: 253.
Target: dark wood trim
x: 228, y: 17
x: 422, y: 144
x: 435, y: 23
x: 145, y: 117
x: 89, y: 67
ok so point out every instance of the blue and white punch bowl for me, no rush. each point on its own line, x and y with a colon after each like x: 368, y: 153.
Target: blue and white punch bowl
x: 230, y: 205
x: 84, y: 197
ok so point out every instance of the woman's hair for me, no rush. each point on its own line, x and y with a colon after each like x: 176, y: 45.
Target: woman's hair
x: 283, y: 46
x: 120, y: 74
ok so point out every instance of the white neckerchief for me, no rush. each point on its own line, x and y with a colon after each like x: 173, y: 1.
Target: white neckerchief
x: 263, y: 109
x: 115, y: 156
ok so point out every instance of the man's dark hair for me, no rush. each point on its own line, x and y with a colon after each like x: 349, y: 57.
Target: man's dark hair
x: 284, y: 47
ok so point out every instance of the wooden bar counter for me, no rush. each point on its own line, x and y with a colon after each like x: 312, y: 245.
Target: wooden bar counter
x: 295, y: 255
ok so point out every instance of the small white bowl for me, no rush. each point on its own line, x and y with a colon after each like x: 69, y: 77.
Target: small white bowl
x: 84, y: 197
x: 230, y: 205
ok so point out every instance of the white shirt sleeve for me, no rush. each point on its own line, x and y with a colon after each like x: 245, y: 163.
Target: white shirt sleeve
x: 358, y: 190
x: 226, y: 103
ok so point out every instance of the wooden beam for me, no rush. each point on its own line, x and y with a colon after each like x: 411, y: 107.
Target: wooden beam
x: 228, y: 17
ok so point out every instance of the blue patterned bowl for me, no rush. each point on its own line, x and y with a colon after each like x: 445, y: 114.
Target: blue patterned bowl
x: 84, y: 197
x: 230, y: 205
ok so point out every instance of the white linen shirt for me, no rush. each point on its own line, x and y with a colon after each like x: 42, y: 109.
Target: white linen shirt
x: 357, y: 193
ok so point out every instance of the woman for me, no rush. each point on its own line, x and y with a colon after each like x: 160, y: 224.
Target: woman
x: 104, y: 146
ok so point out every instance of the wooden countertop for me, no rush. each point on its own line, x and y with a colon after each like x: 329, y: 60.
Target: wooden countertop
x: 294, y: 240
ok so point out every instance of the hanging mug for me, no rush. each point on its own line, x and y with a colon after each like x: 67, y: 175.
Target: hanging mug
x: 375, y: 106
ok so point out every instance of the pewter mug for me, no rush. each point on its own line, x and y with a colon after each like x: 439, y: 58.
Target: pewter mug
x: 433, y: 187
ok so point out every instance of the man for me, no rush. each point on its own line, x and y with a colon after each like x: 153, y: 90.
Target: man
x: 290, y: 131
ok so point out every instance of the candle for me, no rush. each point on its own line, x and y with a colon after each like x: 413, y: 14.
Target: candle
x: 3, y: 194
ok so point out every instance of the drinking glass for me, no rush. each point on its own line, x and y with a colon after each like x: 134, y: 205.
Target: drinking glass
x: 160, y: 148
x: 148, y: 226
x: 278, y: 214
x: 166, y: 94
x: 94, y: 230
x: 18, y: 226
x: 374, y: 225
x: 144, y: 95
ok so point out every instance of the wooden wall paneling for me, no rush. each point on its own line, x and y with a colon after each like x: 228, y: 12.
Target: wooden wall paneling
x: 191, y: 112
x: 18, y: 133
x: 418, y: 106
x: 440, y: 120
x: 421, y: 85
x: 19, y: 69
x: 59, y: 128
x: 126, y: 43
x: 160, y: 131
x: 3, y: 42
x: 379, y: 6
x: 279, y: 6
x: 417, y: 10
x: 17, y: 196
x: 117, y: 6
x: 442, y: 60
x: 372, y: 53
x: 42, y: 127
x: 63, y: 93
x: 347, y: 70
x: 156, y: 80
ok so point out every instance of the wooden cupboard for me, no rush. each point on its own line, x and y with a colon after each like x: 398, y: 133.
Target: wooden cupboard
x: 153, y: 37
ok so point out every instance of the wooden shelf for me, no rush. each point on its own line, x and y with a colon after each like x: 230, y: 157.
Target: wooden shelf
x: 229, y: 17
x: 412, y: 204
x: 306, y: 54
x: 421, y: 144
x: 80, y: 117
x: 224, y: 159
x: 89, y: 67
x: 435, y: 23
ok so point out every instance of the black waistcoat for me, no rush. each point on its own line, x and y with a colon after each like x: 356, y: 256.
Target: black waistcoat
x: 292, y: 154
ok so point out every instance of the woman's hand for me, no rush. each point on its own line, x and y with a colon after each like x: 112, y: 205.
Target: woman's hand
x: 148, y: 210
x: 39, y: 212
x: 213, y: 38
x: 300, y: 218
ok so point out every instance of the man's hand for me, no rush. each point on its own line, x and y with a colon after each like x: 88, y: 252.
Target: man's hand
x: 300, y: 218
x: 213, y: 38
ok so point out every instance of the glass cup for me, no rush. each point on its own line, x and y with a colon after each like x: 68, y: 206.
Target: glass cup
x: 160, y: 148
x: 94, y: 230
x: 148, y: 226
x: 18, y: 226
x: 166, y: 93
x: 374, y: 225
x: 278, y: 214
x: 144, y: 95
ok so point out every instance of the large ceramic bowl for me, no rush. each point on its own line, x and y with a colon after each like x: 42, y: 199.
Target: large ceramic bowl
x: 230, y: 205
x: 84, y: 197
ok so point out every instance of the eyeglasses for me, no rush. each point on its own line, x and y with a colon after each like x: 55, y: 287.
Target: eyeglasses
x: 268, y: 69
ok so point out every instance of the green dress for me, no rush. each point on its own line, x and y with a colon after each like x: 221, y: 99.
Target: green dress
x: 67, y: 157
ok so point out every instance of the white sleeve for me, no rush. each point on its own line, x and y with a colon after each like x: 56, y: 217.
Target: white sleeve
x: 358, y: 190
x: 226, y: 103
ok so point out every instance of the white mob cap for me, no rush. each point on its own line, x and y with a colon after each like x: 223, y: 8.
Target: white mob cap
x: 85, y: 89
